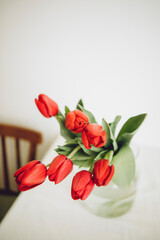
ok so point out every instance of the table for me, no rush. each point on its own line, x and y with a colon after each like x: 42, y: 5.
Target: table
x: 48, y: 211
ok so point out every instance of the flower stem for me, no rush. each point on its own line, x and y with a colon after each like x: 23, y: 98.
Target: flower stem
x: 74, y: 151
x: 109, y: 155
x: 48, y: 165
x: 59, y: 115
x: 91, y: 168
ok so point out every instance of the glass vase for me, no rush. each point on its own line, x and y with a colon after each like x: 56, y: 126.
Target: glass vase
x: 111, y: 201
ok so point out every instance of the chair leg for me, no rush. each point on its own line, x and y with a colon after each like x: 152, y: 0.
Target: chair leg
x: 18, y: 153
x: 32, y: 152
x: 5, y: 163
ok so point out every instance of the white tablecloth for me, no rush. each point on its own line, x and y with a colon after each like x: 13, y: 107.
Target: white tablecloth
x: 48, y: 211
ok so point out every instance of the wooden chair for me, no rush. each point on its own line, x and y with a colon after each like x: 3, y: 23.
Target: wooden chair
x: 18, y: 133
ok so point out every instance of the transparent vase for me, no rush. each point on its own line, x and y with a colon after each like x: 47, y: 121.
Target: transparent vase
x: 112, y: 201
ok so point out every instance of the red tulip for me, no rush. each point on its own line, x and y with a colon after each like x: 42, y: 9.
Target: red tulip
x: 76, y: 121
x: 31, y: 175
x: 82, y: 185
x: 102, y: 172
x: 94, y: 135
x: 46, y: 106
x: 60, y: 167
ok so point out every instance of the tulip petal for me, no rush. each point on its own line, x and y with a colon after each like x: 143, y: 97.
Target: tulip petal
x: 79, y: 125
x: 81, y: 115
x: 103, y: 140
x: 93, y: 130
x: 63, y: 171
x: 42, y: 108
x: 99, y: 171
x: 26, y: 167
x: 75, y: 195
x: 51, y: 106
x: 82, y: 185
x: 110, y: 175
x: 35, y: 176
x: 19, y: 177
x: 100, y: 168
x: 85, y: 140
x: 56, y: 163
x: 78, y: 130
x: 25, y: 188
x: 69, y: 120
x: 88, y: 189
x: 52, y: 177
x: 96, y: 141
x: 76, y: 121
x: 80, y: 180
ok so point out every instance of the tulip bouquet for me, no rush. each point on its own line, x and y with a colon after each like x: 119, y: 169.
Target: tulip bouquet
x: 89, y: 145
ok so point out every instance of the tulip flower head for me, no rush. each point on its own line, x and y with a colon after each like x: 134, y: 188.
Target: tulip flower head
x: 82, y: 185
x: 46, y: 106
x: 76, y: 121
x: 31, y: 175
x: 102, y: 172
x: 59, y: 168
x: 82, y: 137
x: 94, y: 135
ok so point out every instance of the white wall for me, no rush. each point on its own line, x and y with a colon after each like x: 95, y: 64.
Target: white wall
x: 106, y: 52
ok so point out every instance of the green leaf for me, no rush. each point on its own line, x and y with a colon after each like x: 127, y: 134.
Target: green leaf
x: 130, y: 128
x: 67, y: 110
x: 91, y: 151
x: 114, y: 142
x: 80, y: 155
x: 65, y: 148
x: 67, y: 134
x: 113, y: 125
x: 82, y: 163
x: 106, y: 127
x: 110, y: 138
x: 80, y: 103
x: 89, y: 114
x: 63, y: 152
x: 101, y: 155
x: 95, y: 149
x: 87, y: 151
x: 124, y: 163
x: 109, y: 155
x: 59, y: 114
x: 72, y: 142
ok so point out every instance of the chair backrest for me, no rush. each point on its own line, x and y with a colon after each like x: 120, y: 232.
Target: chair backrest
x: 17, y: 133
